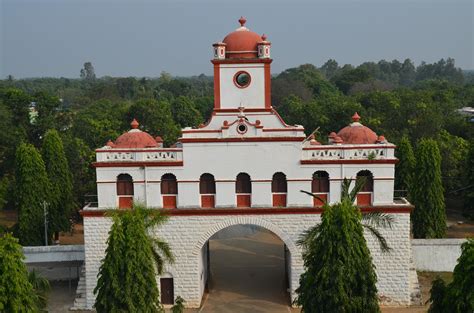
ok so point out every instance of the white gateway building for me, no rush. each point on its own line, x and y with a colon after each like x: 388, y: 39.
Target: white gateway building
x: 246, y: 166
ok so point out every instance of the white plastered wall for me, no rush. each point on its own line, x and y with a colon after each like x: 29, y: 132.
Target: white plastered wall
x: 253, y: 96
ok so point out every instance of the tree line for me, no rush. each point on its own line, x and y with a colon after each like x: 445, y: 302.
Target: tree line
x: 395, y: 99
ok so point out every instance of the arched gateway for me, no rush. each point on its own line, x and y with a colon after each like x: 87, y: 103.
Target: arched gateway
x: 246, y: 166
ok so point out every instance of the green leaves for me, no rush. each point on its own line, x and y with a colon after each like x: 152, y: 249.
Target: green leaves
x: 429, y: 216
x: 17, y: 294
x: 458, y: 296
x: 339, y: 275
x: 32, y: 190
x: 127, y: 276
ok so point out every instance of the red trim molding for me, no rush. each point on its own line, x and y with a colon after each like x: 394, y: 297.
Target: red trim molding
x: 217, y: 87
x: 139, y: 150
x: 394, y: 209
x: 136, y: 164
x: 240, y: 61
x: 349, y: 161
x: 245, y: 110
x: 283, y: 129
x: 242, y: 139
x: 268, y: 86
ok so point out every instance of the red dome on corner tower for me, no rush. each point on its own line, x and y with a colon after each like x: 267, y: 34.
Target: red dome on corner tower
x: 356, y: 133
x: 242, y: 43
x: 135, y: 138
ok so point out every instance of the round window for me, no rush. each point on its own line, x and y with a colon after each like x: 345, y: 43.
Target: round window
x: 241, y: 128
x: 242, y: 79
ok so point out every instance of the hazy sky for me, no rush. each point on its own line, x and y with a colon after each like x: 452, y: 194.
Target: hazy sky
x: 144, y: 38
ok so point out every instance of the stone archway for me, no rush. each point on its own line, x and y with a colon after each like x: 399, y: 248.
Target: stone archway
x: 203, y: 252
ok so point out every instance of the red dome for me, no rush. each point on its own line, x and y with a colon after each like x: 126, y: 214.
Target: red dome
x: 135, y: 138
x: 242, y: 43
x: 356, y: 133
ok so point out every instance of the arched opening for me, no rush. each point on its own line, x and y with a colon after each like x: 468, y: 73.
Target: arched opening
x: 169, y: 191
x: 207, y: 189
x: 279, y: 189
x: 246, y: 267
x: 320, y: 187
x: 365, y: 196
x: 243, y: 190
x: 124, y: 191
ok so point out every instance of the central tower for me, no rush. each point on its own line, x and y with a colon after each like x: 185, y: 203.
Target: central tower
x: 242, y: 71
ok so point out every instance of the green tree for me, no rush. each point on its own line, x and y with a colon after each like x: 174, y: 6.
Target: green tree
x: 185, y: 113
x: 469, y: 193
x: 32, y: 191
x: 427, y: 192
x: 17, y: 294
x: 133, y: 259
x: 61, y: 201
x: 155, y: 117
x: 457, y: 296
x: 339, y: 275
x: 405, y: 166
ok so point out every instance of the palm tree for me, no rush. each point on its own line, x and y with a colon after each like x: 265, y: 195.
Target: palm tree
x: 41, y: 287
x: 370, y: 221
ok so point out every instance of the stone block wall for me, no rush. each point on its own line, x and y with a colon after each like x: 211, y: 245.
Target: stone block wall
x: 188, y: 234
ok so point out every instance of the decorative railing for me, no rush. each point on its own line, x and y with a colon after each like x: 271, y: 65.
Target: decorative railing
x: 170, y: 155
x: 348, y: 153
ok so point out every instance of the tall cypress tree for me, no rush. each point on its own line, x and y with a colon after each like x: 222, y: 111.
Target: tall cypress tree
x: 32, y: 191
x: 469, y: 197
x: 339, y: 275
x: 62, y: 199
x: 429, y: 216
x: 16, y: 292
x: 127, y: 276
x: 405, y: 166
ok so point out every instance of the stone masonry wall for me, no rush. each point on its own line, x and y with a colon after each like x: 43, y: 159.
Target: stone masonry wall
x: 187, y: 235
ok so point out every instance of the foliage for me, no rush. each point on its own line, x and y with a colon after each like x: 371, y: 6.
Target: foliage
x: 405, y: 166
x: 61, y: 201
x: 32, y: 191
x: 429, y: 216
x: 469, y: 192
x: 17, y: 294
x: 155, y: 117
x: 184, y: 112
x: 127, y: 276
x: 454, y: 152
x: 178, y: 307
x: 457, y: 296
x: 339, y: 275
x: 40, y: 287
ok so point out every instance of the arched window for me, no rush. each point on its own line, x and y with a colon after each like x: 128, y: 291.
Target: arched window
x: 364, y: 197
x: 125, y: 191
x: 320, y: 182
x: 369, y: 180
x: 320, y: 187
x: 207, y: 189
x: 279, y: 182
x: 243, y: 183
x: 243, y: 189
x: 169, y: 190
x: 207, y: 184
x: 169, y: 185
x: 279, y: 189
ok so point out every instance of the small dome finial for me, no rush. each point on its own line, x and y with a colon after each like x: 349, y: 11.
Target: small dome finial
x: 355, y: 117
x: 134, y: 124
x: 242, y: 21
x: 264, y: 37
